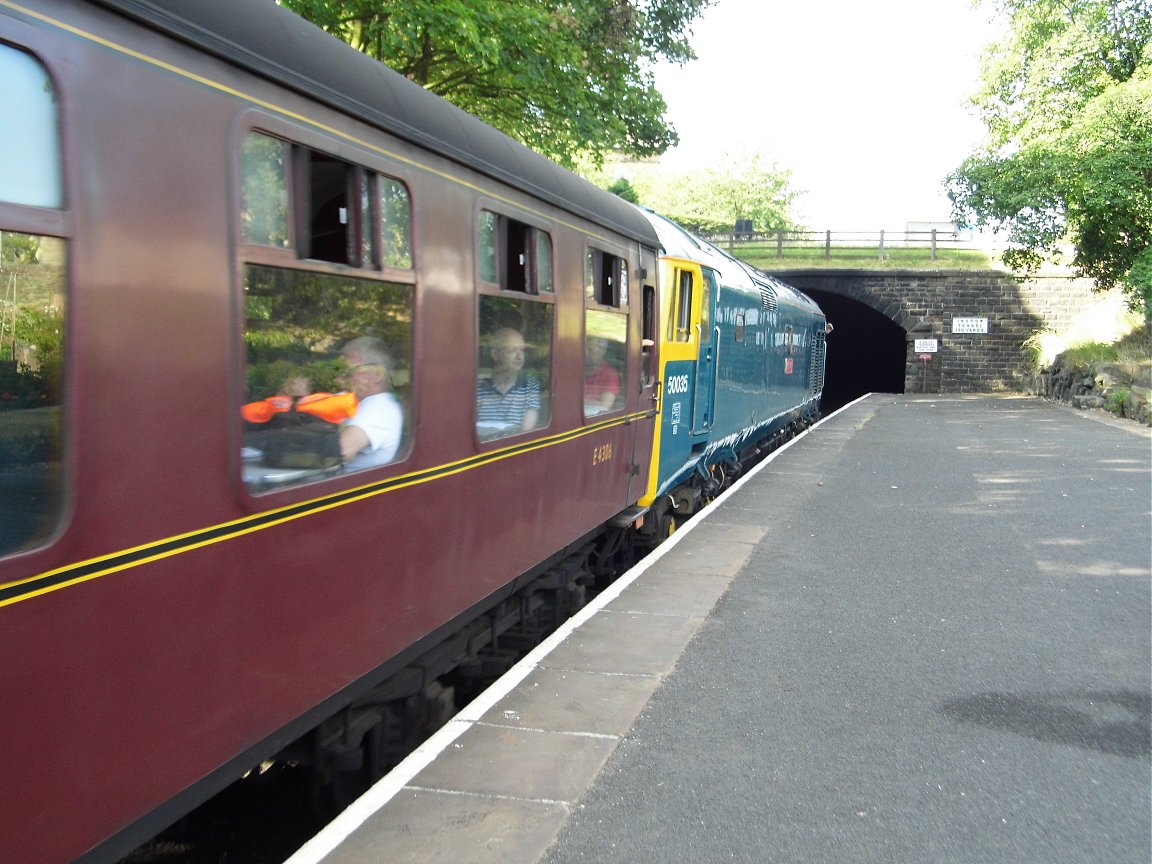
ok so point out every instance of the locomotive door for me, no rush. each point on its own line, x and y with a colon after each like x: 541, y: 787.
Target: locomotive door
x: 704, y: 391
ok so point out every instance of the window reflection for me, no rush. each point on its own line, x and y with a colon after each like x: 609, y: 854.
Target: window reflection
x: 324, y: 353
x: 514, y: 384
x: 265, y: 213
x: 31, y: 387
x: 396, y: 216
x: 605, y: 334
x: 30, y: 167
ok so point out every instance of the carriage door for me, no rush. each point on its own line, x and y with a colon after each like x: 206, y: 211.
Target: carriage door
x: 704, y: 393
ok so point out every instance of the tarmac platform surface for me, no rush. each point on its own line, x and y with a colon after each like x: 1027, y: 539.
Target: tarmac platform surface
x: 921, y: 632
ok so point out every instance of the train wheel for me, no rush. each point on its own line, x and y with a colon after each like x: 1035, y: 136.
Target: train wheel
x: 667, y: 527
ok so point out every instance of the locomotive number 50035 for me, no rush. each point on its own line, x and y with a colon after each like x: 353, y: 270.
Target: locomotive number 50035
x: 677, y: 384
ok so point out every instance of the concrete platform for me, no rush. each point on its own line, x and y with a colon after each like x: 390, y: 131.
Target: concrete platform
x: 920, y: 632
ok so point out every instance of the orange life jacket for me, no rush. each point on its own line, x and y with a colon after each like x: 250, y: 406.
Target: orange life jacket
x: 333, y: 407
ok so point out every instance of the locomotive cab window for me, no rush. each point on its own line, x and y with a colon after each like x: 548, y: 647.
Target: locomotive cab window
x: 32, y: 323
x: 680, y: 319
x: 328, y: 348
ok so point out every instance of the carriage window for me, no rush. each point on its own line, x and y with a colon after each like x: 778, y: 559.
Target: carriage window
x: 545, y: 282
x: 648, y: 331
x: 513, y: 255
x: 327, y: 221
x: 328, y: 375
x: 396, y: 223
x: 33, y: 281
x: 265, y: 213
x: 514, y: 381
x: 487, y: 262
x: 31, y: 387
x: 328, y: 209
x: 606, y: 279
x: 605, y: 335
x: 366, y: 216
x: 30, y: 168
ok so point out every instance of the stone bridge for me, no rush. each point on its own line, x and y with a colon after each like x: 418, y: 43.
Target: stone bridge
x: 934, y: 331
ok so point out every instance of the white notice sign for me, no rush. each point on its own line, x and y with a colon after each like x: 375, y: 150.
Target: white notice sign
x: 969, y: 325
x: 927, y: 346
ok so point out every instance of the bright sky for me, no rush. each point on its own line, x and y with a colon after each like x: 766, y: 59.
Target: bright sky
x: 862, y: 100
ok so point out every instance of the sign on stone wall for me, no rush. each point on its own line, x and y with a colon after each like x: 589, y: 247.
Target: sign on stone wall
x: 969, y: 325
x: 926, y: 346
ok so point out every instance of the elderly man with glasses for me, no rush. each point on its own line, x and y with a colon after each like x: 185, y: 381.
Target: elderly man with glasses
x: 372, y: 435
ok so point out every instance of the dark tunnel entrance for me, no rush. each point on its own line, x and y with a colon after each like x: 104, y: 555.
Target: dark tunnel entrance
x: 866, y: 351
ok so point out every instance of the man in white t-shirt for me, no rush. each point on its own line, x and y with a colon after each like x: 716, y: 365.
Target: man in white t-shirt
x: 371, y: 436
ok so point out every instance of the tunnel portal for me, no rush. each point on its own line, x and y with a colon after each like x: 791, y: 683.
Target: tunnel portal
x: 866, y: 351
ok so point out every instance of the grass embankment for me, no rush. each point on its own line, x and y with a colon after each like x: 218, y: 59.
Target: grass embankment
x: 765, y: 257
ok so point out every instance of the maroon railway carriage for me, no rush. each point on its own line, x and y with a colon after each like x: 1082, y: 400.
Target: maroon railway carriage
x: 202, y: 203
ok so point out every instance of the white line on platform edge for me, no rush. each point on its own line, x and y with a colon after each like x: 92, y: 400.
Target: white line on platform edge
x: 360, y: 810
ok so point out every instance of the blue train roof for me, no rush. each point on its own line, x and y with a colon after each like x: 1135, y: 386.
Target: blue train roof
x: 680, y: 243
x: 277, y: 44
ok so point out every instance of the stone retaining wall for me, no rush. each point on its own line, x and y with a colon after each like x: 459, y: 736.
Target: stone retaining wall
x: 1125, y: 389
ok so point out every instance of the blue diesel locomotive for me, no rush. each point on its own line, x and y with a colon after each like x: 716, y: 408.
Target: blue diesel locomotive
x: 742, y: 365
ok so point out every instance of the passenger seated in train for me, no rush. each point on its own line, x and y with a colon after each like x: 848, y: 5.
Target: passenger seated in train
x: 601, y: 380
x: 371, y: 436
x: 508, y: 401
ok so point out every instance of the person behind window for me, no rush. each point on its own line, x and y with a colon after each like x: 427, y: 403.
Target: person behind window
x: 371, y: 436
x: 601, y: 380
x: 296, y: 394
x: 508, y: 401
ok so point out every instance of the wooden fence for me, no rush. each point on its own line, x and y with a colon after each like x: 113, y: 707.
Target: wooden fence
x: 848, y: 244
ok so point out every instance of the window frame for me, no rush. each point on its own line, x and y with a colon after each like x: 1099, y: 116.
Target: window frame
x: 607, y: 291
x: 55, y: 223
x: 548, y: 388
x: 364, y: 175
x: 364, y: 166
x: 505, y: 228
x: 606, y: 278
x: 680, y: 307
x: 531, y: 229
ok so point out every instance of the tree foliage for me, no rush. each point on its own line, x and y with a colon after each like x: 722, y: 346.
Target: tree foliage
x: 31, y: 324
x: 565, y: 77
x: 1067, y: 101
x: 737, y: 186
